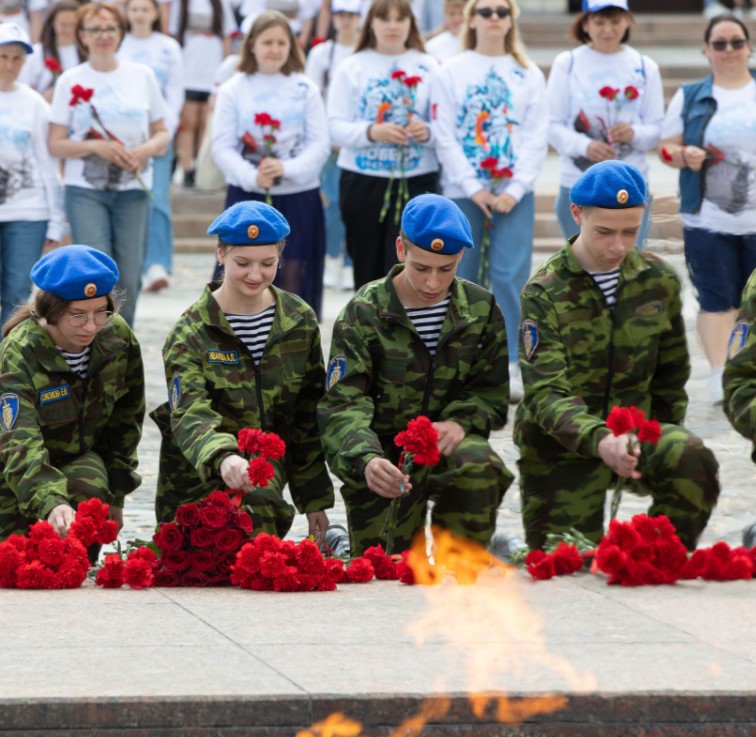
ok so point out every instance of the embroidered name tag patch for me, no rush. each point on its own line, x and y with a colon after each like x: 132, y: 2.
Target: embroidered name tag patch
x: 649, y: 309
x: 56, y: 394
x: 229, y: 357
x: 336, y: 369
x: 8, y: 411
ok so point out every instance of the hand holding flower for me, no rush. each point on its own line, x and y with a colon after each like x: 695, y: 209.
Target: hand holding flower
x: 317, y: 524
x: 61, y: 518
x: 600, y: 151
x: 622, y: 133
x: 389, y: 133
x: 485, y: 200
x: 613, y: 450
x: 271, y: 167
x: 233, y: 471
x: 504, y: 203
x: 385, y: 479
x: 417, y: 129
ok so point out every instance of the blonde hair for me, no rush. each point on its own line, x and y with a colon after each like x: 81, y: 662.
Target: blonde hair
x: 263, y: 22
x: 512, y: 43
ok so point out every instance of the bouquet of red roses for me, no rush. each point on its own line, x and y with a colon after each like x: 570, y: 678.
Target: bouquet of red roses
x: 43, y: 560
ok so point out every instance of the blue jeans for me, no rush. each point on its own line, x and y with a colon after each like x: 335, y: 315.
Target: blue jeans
x: 335, y: 231
x: 160, y: 227
x: 570, y: 227
x: 21, y: 243
x: 116, y: 223
x: 510, y: 257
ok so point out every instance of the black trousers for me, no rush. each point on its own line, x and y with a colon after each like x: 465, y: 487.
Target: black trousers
x: 370, y: 243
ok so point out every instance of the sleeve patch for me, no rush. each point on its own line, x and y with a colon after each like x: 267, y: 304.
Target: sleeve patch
x: 174, y: 395
x: 737, y: 338
x: 336, y: 369
x: 8, y: 411
x: 529, y: 338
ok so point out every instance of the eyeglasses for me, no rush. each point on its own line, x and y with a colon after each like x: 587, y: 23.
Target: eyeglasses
x: 488, y: 12
x: 80, y: 319
x: 735, y: 43
x: 107, y: 31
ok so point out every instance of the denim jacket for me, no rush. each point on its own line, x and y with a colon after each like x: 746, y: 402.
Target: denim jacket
x: 698, y: 108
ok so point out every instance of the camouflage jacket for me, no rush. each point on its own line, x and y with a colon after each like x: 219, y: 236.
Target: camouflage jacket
x: 381, y: 374
x: 216, y: 389
x: 580, y: 358
x: 740, y: 371
x: 50, y: 415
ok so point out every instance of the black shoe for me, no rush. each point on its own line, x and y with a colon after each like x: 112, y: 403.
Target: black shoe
x: 189, y: 179
x: 336, y: 542
x: 506, y: 547
x: 749, y: 536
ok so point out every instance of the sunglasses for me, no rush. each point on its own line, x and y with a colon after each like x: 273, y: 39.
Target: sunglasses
x: 736, y: 43
x: 488, y: 12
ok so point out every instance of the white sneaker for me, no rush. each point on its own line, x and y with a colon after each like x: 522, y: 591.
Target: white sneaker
x: 332, y: 272
x: 154, y: 279
x: 347, y: 278
x: 516, y: 390
x: 716, y: 390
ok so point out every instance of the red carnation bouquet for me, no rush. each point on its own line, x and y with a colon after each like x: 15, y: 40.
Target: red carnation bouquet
x: 43, y: 560
x: 81, y: 94
x: 632, y: 422
x: 495, y: 174
x: 419, y: 444
x: 615, y: 98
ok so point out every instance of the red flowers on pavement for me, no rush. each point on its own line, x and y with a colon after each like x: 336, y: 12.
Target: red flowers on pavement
x: 563, y: 561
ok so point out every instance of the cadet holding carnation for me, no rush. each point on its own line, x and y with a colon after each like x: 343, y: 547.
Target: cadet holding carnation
x: 72, y: 401
x: 419, y: 342
x: 740, y: 379
x: 602, y: 327
x: 245, y: 355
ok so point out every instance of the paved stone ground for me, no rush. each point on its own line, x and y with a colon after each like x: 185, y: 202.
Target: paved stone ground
x: 156, y: 314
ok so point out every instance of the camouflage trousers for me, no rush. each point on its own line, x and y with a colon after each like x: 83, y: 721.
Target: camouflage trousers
x: 680, y: 474
x: 466, y: 489
x: 86, y: 477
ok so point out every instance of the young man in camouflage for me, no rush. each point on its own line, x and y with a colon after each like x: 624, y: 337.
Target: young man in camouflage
x: 602, y: 327
x: 740, y: 379
x: 419, y: 342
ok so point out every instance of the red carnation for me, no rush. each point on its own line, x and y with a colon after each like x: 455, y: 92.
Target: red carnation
x: 412, y: 82
x: 260, y: 472
x: 649, y: 432
x: 80, y: 94
x: 360, y: 570
x: 609, y: 93
x: 631, y: 93
x: 405, y: 567
x: 398, y: 74
x: 263, y: 119
x: 137, y: 572
x: 567, y: 559
x: 665, y: 154
x: 110, y: 576
x: 620, y: 421
x: 335, y: 568
x: 385, y: 566
x: 53, y: 66
x: 271, y: 447
x: 248, y: 440
x: 540, y: 565
x: 420, y: 439
x: 490, y: 162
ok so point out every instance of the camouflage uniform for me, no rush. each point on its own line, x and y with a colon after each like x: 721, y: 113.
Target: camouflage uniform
x: 216, y: 389
x: 740, y: 371
x: 64, y: 438
x: 381, y: 375
x: 579, y: 359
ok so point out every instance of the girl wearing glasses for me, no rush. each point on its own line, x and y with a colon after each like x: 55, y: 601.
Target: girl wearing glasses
x: 107, y: 135
x: 378, y: 115
x: 490, y: 127
x: 72, y: 400
x: 606, y: 101
x: 709, y: 133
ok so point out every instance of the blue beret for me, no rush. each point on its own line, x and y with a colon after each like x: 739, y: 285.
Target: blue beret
x: 613, y: 184
x: 250, y: 223
x: 436, y: 224
x: 75, y: 272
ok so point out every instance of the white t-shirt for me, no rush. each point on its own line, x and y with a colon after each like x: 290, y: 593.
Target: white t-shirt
x: 30, y: 187
x: 37, y: 75
x: 301, y: 141
x: 729, y: 204
x: 444, y: 46
x: 203, y: 51
x: 322, y: 62
x: 226, y: 69
x: 489, y: 107
x: 363, y: 92
x: 163, y: 55
x: 579, y: 115
x: 127, y: 100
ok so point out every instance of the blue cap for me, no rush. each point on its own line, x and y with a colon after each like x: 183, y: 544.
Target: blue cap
x: 613, y: 184
x: 436, y: 224
x: 250, y: 223
x: 75, y: 272
x: 593, y: 6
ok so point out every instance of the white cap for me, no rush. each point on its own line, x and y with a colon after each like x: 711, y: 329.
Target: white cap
x: 346, y: 6
x: 10, y: 33
x: 593, y: 6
